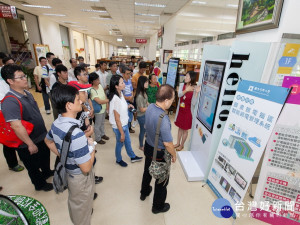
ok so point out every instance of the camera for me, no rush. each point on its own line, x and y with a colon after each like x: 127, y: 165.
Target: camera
x: 131, y: 109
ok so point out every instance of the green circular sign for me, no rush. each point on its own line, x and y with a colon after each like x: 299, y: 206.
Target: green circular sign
x: 20, y: 209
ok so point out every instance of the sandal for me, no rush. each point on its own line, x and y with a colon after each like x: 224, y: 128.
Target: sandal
x: 176, y: 146
x: 179, y: 149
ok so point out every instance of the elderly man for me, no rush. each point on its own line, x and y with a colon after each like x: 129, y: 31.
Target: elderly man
x: 164, y: 98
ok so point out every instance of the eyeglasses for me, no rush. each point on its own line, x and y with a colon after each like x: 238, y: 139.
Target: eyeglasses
x: 85, y: 74
x: 21, y: 77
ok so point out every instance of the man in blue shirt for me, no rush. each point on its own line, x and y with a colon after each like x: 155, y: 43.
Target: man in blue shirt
x: 80, y: 159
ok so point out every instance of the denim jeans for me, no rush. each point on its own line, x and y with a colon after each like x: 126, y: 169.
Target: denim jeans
x: 46, y: 100
x: 141, y: 120
x: 119, y: 144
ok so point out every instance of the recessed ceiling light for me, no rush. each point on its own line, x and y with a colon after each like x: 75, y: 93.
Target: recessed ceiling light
x: 70, y: 22
x: 38, y: 6
x: 143, y: 14
x: 199, y: 2
x: 77, y: 26
x: 100, y: 18
x: 92, y: 10
x: 51, y: 14
x: 232, y: 5
x: 150, y: 5
x: 90, y: 0
x: 119, y: 39
x: 127, y: 46
x: 146, y: 21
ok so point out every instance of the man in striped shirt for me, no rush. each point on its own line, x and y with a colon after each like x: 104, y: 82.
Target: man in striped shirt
x: 81, y: 183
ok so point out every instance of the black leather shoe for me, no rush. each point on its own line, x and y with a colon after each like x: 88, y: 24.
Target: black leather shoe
x: 98, y: 180
x: 95, y: 196
x: 46, y: 187
x: 49, y: 174
x: 143, y: 197
x: 164, y: 209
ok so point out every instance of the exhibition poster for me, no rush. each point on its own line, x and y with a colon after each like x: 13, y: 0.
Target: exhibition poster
x: 278, y: 188
x: 287, y: 63
x: 172, y: 71
x: 210, y: 91
x: 255, y: 109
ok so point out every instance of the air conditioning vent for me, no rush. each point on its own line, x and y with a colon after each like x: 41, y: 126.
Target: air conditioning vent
x: 207, y: 39
x: 105, y: 17
x: 226, y: 36
x: 98, y: 8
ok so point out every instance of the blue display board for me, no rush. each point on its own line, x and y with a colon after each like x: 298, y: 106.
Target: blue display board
x: 172, y: 71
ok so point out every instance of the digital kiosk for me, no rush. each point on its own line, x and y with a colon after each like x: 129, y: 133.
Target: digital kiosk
x: 223, y: 68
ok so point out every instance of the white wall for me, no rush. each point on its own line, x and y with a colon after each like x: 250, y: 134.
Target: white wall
x: 91, y: 46
x: 152, y: 47
x: 97, y: 49
x: 78, y: 41
x: 144, y: 50
x: 168, y: 40
x: 50, y: 34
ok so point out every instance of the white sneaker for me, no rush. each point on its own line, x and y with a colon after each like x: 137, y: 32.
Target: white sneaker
x: 48, y: 111
x: 134, y: 123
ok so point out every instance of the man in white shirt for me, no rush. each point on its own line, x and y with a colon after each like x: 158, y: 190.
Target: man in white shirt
x: 54, y: 77
x: 41, y: 84
x: 102, y: 74
x: 71, y: 76
x: 48, y: 69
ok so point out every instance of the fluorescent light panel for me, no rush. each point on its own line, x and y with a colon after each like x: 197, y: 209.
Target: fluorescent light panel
x: 150, y: 5
x: 90, y: 0
x: 92, y: 10
x: 199, y: 2
x: 38, y: 6
x: 98, y: 18
x: 119, y: 39
x: 232, y: 5
x: 70, y: 22
x: 146, y: 21
x: 51, y: 14
x: 144, y: 14
x: 78, y: 26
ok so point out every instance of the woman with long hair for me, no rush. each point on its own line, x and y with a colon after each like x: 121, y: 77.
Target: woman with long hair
x: 141, y: 100
x: 118, y: 118
x: 183, y: 120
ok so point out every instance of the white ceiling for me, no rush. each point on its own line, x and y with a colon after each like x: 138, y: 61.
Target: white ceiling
x: 194, y: 21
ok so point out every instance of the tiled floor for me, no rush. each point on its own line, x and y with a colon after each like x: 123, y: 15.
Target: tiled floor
x: 118, y: 202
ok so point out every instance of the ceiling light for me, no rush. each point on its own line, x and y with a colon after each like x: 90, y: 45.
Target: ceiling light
x: 37, y: 6
x: 127, y: 46
x: 90, y: 0
x: 119, y: 39
x: 199, y: 2
x: 69, y: 22
x: 143, y: 14
x: 146, y: 21
x: 150, y: 5
x: 92, y: 10
x: 51, y: 14
x: 100, y: 18
x: 77, y: 26
x: 232, y: 5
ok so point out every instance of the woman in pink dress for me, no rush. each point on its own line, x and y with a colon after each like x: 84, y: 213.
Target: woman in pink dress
x: 184, y: 115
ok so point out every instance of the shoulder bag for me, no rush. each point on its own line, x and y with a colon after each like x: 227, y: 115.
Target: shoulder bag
x: 160, y: 170
x: 7, y: 135
x: 97, y: 107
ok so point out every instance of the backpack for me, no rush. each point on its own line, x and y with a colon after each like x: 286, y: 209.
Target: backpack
x: 60, y: 181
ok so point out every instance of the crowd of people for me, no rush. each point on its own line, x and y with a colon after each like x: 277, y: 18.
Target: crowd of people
x: 77, y: 98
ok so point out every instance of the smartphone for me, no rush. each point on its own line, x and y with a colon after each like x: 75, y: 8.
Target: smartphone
x: 133, y: 110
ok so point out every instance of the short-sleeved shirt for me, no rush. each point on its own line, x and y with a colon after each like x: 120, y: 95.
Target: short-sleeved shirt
x: 128, y: 88
x: 120, y: 105
x: 152, y: 115
x: 79, y: 150
x: 136, y: 77
x: 141, y: 102
x: 31, y: 113
x: 102, y: 78
x: 101, y: 95
x: 108, y: 77
x: 39, y: 72
x: 49, y: 75
x: 151, y: 92
x: 71, y: 75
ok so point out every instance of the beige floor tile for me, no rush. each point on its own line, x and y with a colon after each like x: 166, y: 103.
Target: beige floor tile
x: 118, y: 201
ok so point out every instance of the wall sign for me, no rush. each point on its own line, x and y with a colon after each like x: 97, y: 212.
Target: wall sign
x: 8, y: 12
x: 141, y: 41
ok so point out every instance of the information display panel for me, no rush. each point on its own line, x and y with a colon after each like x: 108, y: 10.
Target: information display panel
x: 210, y: 91
x: 172, y: 71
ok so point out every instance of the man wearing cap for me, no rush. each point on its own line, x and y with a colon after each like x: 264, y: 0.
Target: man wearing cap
x: 83, y: 116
